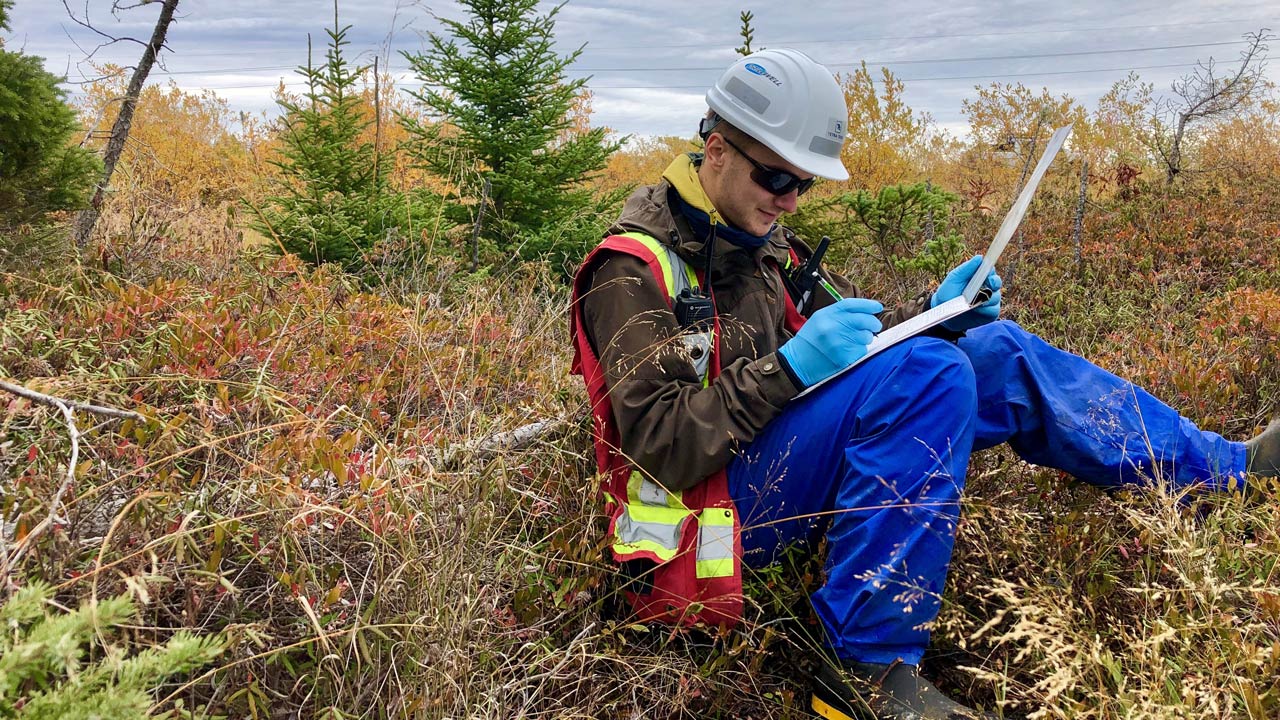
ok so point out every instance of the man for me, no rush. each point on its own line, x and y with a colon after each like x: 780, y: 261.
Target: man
x: 693, y: 351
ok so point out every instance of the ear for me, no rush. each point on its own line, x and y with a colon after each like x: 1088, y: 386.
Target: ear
x: 714, y: 151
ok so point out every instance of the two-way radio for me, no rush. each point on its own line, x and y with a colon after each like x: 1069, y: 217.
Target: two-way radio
x: 806, y: 279
x: 694, y: 308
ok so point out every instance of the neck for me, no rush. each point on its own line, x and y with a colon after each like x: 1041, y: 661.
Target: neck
x: 710, y: 185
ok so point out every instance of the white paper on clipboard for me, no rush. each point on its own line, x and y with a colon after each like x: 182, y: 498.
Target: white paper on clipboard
x: 960, y: 305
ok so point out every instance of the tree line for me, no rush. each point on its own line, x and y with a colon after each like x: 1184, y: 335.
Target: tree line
x: 495, y: 159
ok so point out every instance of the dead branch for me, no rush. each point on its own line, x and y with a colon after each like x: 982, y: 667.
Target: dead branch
x: 9, y: 561
x: 489, y: 446
x: 1203, y: 95
x: 88, y: 25
x: 51, y: 401
x: 124, y: 120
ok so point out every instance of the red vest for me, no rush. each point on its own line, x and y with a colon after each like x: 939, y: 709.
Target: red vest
x: 693, y: 539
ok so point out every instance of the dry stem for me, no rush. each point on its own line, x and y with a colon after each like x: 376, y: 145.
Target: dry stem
x: 61, y: 403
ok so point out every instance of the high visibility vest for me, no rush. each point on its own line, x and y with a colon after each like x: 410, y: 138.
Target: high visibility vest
x: 684, y: 549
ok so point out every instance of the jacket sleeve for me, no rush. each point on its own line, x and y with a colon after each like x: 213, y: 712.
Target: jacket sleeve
x: 671, y: 426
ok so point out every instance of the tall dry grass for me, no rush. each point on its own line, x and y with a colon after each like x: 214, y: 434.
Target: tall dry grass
x: 312, y: 481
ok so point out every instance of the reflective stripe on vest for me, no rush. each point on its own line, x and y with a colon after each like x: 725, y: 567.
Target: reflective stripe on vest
x: 715, y: 542
x: 677, y: 275
x: 651, y: 519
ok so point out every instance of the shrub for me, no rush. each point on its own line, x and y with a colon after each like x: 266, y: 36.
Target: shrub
x: 63, y: 665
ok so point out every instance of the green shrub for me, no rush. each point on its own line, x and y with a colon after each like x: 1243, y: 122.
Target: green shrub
x: 61, y: 665
x: 334, y: 203
x: 904, y: 232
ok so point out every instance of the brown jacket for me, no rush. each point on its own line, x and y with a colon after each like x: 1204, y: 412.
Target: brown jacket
x: 672, y: 427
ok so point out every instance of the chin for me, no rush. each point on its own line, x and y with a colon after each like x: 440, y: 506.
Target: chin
x: 764, y: 228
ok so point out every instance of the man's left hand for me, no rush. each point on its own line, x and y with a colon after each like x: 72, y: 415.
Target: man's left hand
x: 953, y: 285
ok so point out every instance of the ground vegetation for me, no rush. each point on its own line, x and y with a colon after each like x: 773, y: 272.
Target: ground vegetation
x: 317, y: 471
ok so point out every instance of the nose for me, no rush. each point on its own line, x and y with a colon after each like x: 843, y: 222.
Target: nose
x: 787, y: 203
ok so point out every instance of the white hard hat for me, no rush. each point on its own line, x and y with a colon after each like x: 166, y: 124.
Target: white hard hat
x: 788, y: 102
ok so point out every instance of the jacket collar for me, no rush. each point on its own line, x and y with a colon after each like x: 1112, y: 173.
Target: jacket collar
x: 648, y: 210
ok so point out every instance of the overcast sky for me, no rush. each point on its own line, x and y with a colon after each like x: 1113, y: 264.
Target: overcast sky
x: 650, y: 62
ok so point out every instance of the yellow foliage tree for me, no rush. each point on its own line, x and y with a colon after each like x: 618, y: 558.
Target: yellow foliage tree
x: 887, y: 139
x: 1120, y: 131
x: 1244, y: 147
x: 1009, y: 125
x: 642, y: 161
x: 183, y: 147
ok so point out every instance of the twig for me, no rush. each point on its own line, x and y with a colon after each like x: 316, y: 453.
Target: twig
x: 8, y: 562
x: 57, y: 402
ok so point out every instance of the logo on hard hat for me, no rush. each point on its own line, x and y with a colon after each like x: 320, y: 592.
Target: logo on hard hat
x: 759, y: 70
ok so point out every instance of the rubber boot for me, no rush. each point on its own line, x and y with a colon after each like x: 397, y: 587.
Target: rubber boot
x: 867, y: 691
x: 1264, y: 451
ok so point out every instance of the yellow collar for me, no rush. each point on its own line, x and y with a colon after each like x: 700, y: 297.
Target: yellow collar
x: 683, y: 176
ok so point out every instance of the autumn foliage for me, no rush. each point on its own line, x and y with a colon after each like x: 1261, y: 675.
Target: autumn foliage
x: 315, y: 476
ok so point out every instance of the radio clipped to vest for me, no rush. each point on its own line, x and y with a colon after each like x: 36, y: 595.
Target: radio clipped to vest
x: 694, y: 309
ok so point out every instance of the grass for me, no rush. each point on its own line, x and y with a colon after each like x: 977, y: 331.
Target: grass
x: 309, y: 483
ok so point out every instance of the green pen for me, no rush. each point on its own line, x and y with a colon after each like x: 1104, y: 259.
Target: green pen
x: 830, y: 290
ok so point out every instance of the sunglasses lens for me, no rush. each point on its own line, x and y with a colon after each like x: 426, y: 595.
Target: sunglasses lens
x: 780, y: 182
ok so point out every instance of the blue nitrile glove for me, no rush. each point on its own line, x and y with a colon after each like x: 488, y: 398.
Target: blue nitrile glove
x: 953, y: 285
x: 832, y: 340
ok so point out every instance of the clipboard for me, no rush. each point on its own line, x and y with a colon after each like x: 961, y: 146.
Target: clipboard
x: 971, y: 295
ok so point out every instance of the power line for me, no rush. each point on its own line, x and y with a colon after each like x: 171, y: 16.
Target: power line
x: 704, y: 86
x: 1077, y: 53
x: 924, y: 79
x: 809, y: 41
x: 876, y: 38
x: 906, y: 61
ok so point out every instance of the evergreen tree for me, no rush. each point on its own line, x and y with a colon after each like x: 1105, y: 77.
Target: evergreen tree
x: 335, y: 202
x: 40, y: 170
x: 502, y: 101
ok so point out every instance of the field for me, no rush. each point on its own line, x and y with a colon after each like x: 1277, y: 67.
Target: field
x: 318, y: 471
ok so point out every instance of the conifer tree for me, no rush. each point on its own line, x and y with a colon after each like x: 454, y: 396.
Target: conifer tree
x: 502, y: 102
x: 40, y: 170
x: 335, y: 202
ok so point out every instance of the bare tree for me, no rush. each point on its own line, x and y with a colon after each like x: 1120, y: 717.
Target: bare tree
x: 1205, y: 94
x: 120, y: 130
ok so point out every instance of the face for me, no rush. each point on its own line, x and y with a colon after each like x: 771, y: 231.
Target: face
x: 726, y: 177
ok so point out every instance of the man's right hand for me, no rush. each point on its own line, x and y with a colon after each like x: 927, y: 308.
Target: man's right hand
x: 833, y: 339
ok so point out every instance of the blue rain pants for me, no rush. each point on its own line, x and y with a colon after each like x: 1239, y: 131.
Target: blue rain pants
x: 877, y: 457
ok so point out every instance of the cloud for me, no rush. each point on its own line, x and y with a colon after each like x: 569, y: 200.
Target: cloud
x: 649, y: 112
x: 650, y: 63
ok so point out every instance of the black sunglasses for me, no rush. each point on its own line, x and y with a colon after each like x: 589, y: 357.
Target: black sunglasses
x: 778, y: 182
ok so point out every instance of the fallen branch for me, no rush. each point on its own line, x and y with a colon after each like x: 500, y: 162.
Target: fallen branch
x: 490, y: 445
x: 8, y: 562
x: 519, y: 438
x: 56, y: 402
